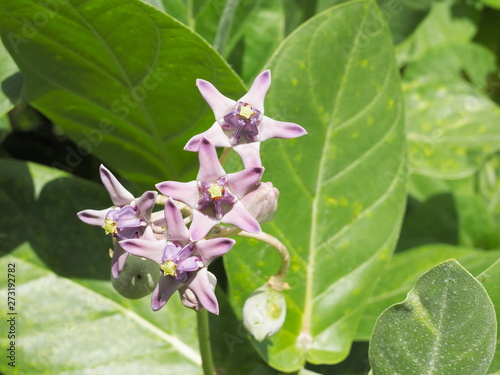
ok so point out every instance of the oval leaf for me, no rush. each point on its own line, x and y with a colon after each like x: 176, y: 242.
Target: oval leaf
x: 119, y: 77
x: 342, y: 191
x: 447, y: 325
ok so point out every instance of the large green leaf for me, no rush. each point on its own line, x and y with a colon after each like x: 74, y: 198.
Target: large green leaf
x: 342, y: 191
x: 404, y: 270
x: 447, y: 325
x: 8, y: 81
x: 119, y: 77
x: 70, y: 320
x: 452, y: 127
x: 403, y: 16
x: 490, y: 279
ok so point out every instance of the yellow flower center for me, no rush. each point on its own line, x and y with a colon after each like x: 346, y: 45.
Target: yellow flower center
x: 215, y: 191
x: 246, y: 111
x: 110, y: 227
x: 169, y: 268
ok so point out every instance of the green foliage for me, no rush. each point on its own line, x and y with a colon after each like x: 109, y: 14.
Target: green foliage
x: 446, y: 325
x: 340, y: 232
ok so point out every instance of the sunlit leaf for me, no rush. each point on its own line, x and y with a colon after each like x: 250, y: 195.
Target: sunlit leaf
x: 342, y: 190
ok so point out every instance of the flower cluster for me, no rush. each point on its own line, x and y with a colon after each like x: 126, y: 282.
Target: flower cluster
x: 240, y: 200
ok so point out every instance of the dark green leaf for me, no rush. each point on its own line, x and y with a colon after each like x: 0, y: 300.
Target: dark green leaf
x: 119, y: 77
x: 447, y: 325
x: 404, y: 270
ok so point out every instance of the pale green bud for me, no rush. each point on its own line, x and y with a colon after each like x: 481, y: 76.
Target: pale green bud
x: 264, y: 312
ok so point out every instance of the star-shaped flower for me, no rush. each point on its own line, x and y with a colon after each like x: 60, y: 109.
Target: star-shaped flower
x: 215, y: 196
x: 241, y: 124
x: 128, y: 218
x: 182, y: 262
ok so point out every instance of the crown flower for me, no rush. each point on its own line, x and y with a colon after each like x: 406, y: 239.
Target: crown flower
x: 128, y: 218
x: 215, y: 196
x: 241, y: 124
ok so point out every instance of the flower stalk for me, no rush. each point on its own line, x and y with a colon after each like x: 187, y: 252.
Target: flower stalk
x: 204, y: 342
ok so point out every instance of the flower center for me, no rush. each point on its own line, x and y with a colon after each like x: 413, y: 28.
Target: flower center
x: 169, y: 268
x: 246, y: 111
x: 216, y: 191
x: 110, y: 227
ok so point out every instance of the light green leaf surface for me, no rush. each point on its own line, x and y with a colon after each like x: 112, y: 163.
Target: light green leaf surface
x: 452, y: 127
x: 492, y: 3
x: 403, y: 16
x: 490, y: 278
x: 448, y: 22
x: 342, y: 191
x: 70, y: 320
x: 119, y: 77
x: 468, y: 61
x: 404, y: 270
x: 446, y: 326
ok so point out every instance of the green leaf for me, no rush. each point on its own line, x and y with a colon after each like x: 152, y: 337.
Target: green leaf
x: 465, y: 60
x: 490, y: 278
x: 342, y: 191
x: 403, y: 16
x: 448, y: 22
x: 128, y: 97
x: 447, y: 325
x: 492, y: 3
x: 8, y: 68
x: 452, y: 127
x: 404, y: 270
x: 70, y: 318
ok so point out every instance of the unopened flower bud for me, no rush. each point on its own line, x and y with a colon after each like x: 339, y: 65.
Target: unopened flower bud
x: 262, y: 201
x: 137, y: 279
x: 264, y: 312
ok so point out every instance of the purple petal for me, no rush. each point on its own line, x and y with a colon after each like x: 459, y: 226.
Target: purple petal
x: 152, y: 250
x: 220, y: 104
x: 241, y: 218
x: 93, y: 217
x: 119, y: 195
x: 249, y: 154
x: 240, y: 182
x: 186, y: 192
x: 148, y: 234
x: 214, y: 134
x: 201, y: 225
x: 270, y: 128
x: 189, y: 264
x: 176, y: 229
x: 118, y: 260
x: 210, y: 168
x: 255, y: 96
x: 199, y: 283
x: 213, y: 248
x: 145, y: 204
x: 164, y: 290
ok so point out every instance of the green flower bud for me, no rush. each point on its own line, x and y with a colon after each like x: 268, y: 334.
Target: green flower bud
x: 138, y: 278
x: 264, y: 312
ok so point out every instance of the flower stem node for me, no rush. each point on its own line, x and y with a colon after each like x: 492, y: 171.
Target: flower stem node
x: 264, y: 312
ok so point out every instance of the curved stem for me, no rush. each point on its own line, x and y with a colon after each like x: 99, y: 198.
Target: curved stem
x: 204, y: 340
x: 277, y: 280
x: 224, y: 155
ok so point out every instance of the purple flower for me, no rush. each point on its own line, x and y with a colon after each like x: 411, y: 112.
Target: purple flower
x: 182, y: 262
x: 215, y: 196
x: 242, y: 124
x: 128, y: 218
